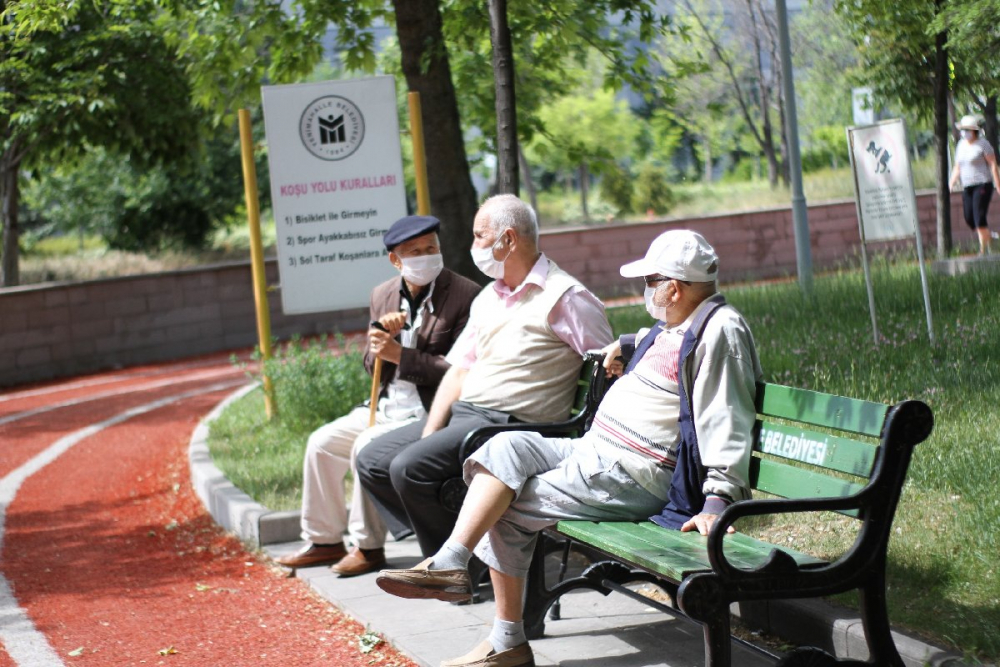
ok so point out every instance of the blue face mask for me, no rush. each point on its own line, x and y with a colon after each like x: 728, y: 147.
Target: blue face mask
x: 966, y: 134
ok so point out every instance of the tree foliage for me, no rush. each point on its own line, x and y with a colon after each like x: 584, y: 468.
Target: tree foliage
x: 904, y: 56
x: 78, y: 75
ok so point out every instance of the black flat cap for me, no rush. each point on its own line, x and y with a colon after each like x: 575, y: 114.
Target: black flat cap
x: 408, y: 228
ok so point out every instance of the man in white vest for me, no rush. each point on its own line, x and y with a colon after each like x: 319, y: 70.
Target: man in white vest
x: 517, y: 360
x: 671, y: 441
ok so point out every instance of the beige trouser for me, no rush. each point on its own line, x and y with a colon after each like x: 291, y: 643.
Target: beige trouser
x: 329, y: 455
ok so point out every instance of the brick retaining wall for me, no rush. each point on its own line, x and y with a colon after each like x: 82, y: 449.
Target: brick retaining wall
x: 54, y: 330
x: 753, y: 245
x: 62, y: 329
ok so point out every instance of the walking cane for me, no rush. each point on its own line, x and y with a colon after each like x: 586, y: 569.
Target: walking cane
x: 376, y: 381
x: 376, y: 378
x: 377, y: 375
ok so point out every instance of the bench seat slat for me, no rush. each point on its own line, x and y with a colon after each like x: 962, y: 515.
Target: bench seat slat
x: 670, y: 553
x: 810, y: 407
x: 819, y: 449
x: 741, y: 549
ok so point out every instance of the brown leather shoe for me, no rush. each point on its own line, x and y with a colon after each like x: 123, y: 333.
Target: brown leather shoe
x: 484, y: 656
x: 421, y: 582
x: 314, y: 554
x: 359, y: 561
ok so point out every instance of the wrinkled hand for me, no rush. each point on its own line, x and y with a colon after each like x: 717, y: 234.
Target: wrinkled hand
x: 612, y: 363
x: 393, y: 322
x: 702, y: 523
x: 384, y: 346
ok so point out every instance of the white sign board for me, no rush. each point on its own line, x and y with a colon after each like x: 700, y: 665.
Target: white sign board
x: 336, y: 187
x: 863, y: 106
x: 884, y: 188
x: 887, y: 204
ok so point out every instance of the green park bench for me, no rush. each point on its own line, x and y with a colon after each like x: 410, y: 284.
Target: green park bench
x: 813, y: 452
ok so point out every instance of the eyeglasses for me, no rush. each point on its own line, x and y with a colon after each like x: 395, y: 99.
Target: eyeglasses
x: 653, y: 281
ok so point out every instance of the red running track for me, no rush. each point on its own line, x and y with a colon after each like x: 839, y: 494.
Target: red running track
x: 108, y: 558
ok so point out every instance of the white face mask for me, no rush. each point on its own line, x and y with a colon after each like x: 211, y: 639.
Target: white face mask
x: 485, y: 262
x: 656, y: 312
x: 422, y: 270
x: 965, y: 134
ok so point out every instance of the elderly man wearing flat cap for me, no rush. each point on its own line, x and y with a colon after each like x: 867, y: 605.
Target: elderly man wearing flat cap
x: 671, y: 441
x: 422, y: 312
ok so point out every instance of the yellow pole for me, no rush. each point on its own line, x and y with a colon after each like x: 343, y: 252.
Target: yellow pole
x: 256, y: 255
x: 419, y: 159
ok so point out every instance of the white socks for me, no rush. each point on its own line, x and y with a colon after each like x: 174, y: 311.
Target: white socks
x: 452, y: 556
x: 507, y: 634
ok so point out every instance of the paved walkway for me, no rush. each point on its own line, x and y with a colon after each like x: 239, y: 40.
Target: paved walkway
x: 612, y: 631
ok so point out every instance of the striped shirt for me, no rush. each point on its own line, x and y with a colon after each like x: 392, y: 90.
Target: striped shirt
x: 639, y: 413
x: 971, y: 161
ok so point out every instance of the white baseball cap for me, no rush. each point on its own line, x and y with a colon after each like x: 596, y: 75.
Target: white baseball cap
x: 680, y: 254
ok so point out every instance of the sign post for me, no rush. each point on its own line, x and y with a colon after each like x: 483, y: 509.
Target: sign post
x: 336, y: 187
x: 885, y: 198
x: 257, y: 258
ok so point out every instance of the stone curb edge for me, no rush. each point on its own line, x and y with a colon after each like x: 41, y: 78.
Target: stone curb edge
x: 838, y: 631
x: 231, y: 508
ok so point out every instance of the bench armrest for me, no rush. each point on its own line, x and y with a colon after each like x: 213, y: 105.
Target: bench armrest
x: 476, y: 439
x: 762, y: 506
x: 592, y: 373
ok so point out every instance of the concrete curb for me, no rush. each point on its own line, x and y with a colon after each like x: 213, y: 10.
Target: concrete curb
x: 814, y: 622
x: 231, y: 508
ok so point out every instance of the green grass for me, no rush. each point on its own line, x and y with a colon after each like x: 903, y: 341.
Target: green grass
x: 945, y: 550
x: 696, y: 198
x: 313, y: 384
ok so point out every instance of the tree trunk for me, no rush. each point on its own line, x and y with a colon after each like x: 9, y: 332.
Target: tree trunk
x: 707, y: 151
x: 425, y: 65
x: 953, y: 118
x: 941, y: 140
x: 506, y: 101
x: 584, y: 177
x: 529, y: 182
x: 772, y: 158
x: 9, y: 195
x: 990, y: 128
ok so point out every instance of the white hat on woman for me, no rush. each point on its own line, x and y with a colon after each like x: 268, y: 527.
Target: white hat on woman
x: 969, y: 123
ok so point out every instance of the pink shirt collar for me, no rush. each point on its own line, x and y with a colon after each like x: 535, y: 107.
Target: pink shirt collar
x: 538, y: 274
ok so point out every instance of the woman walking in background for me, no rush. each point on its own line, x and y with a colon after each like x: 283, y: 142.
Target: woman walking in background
x: 976, y: 165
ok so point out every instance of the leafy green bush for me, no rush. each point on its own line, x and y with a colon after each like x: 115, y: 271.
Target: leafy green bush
x: 616, y: 187
x: 314, y: 384
x: 652, y: 191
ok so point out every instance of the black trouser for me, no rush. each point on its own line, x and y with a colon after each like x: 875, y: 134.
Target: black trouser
x: 975, y: 203
x: 403, y: 473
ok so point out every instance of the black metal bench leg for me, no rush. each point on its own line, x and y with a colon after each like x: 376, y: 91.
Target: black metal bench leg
x: 536, y: 596
x: 701, y: 597
x: 875, y: 618
x: 718, y: 648
x: 555, y: 613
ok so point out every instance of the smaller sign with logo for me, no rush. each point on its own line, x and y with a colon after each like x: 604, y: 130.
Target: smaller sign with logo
x: 336, y: 187
x: 884, y: 187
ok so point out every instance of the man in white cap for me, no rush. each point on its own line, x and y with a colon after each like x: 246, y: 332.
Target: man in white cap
x: 671, y: 441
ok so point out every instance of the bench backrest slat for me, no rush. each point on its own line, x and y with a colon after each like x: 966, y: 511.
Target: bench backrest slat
x: 787, y: 481
x: 816, y: 409
x: 819, y: 449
